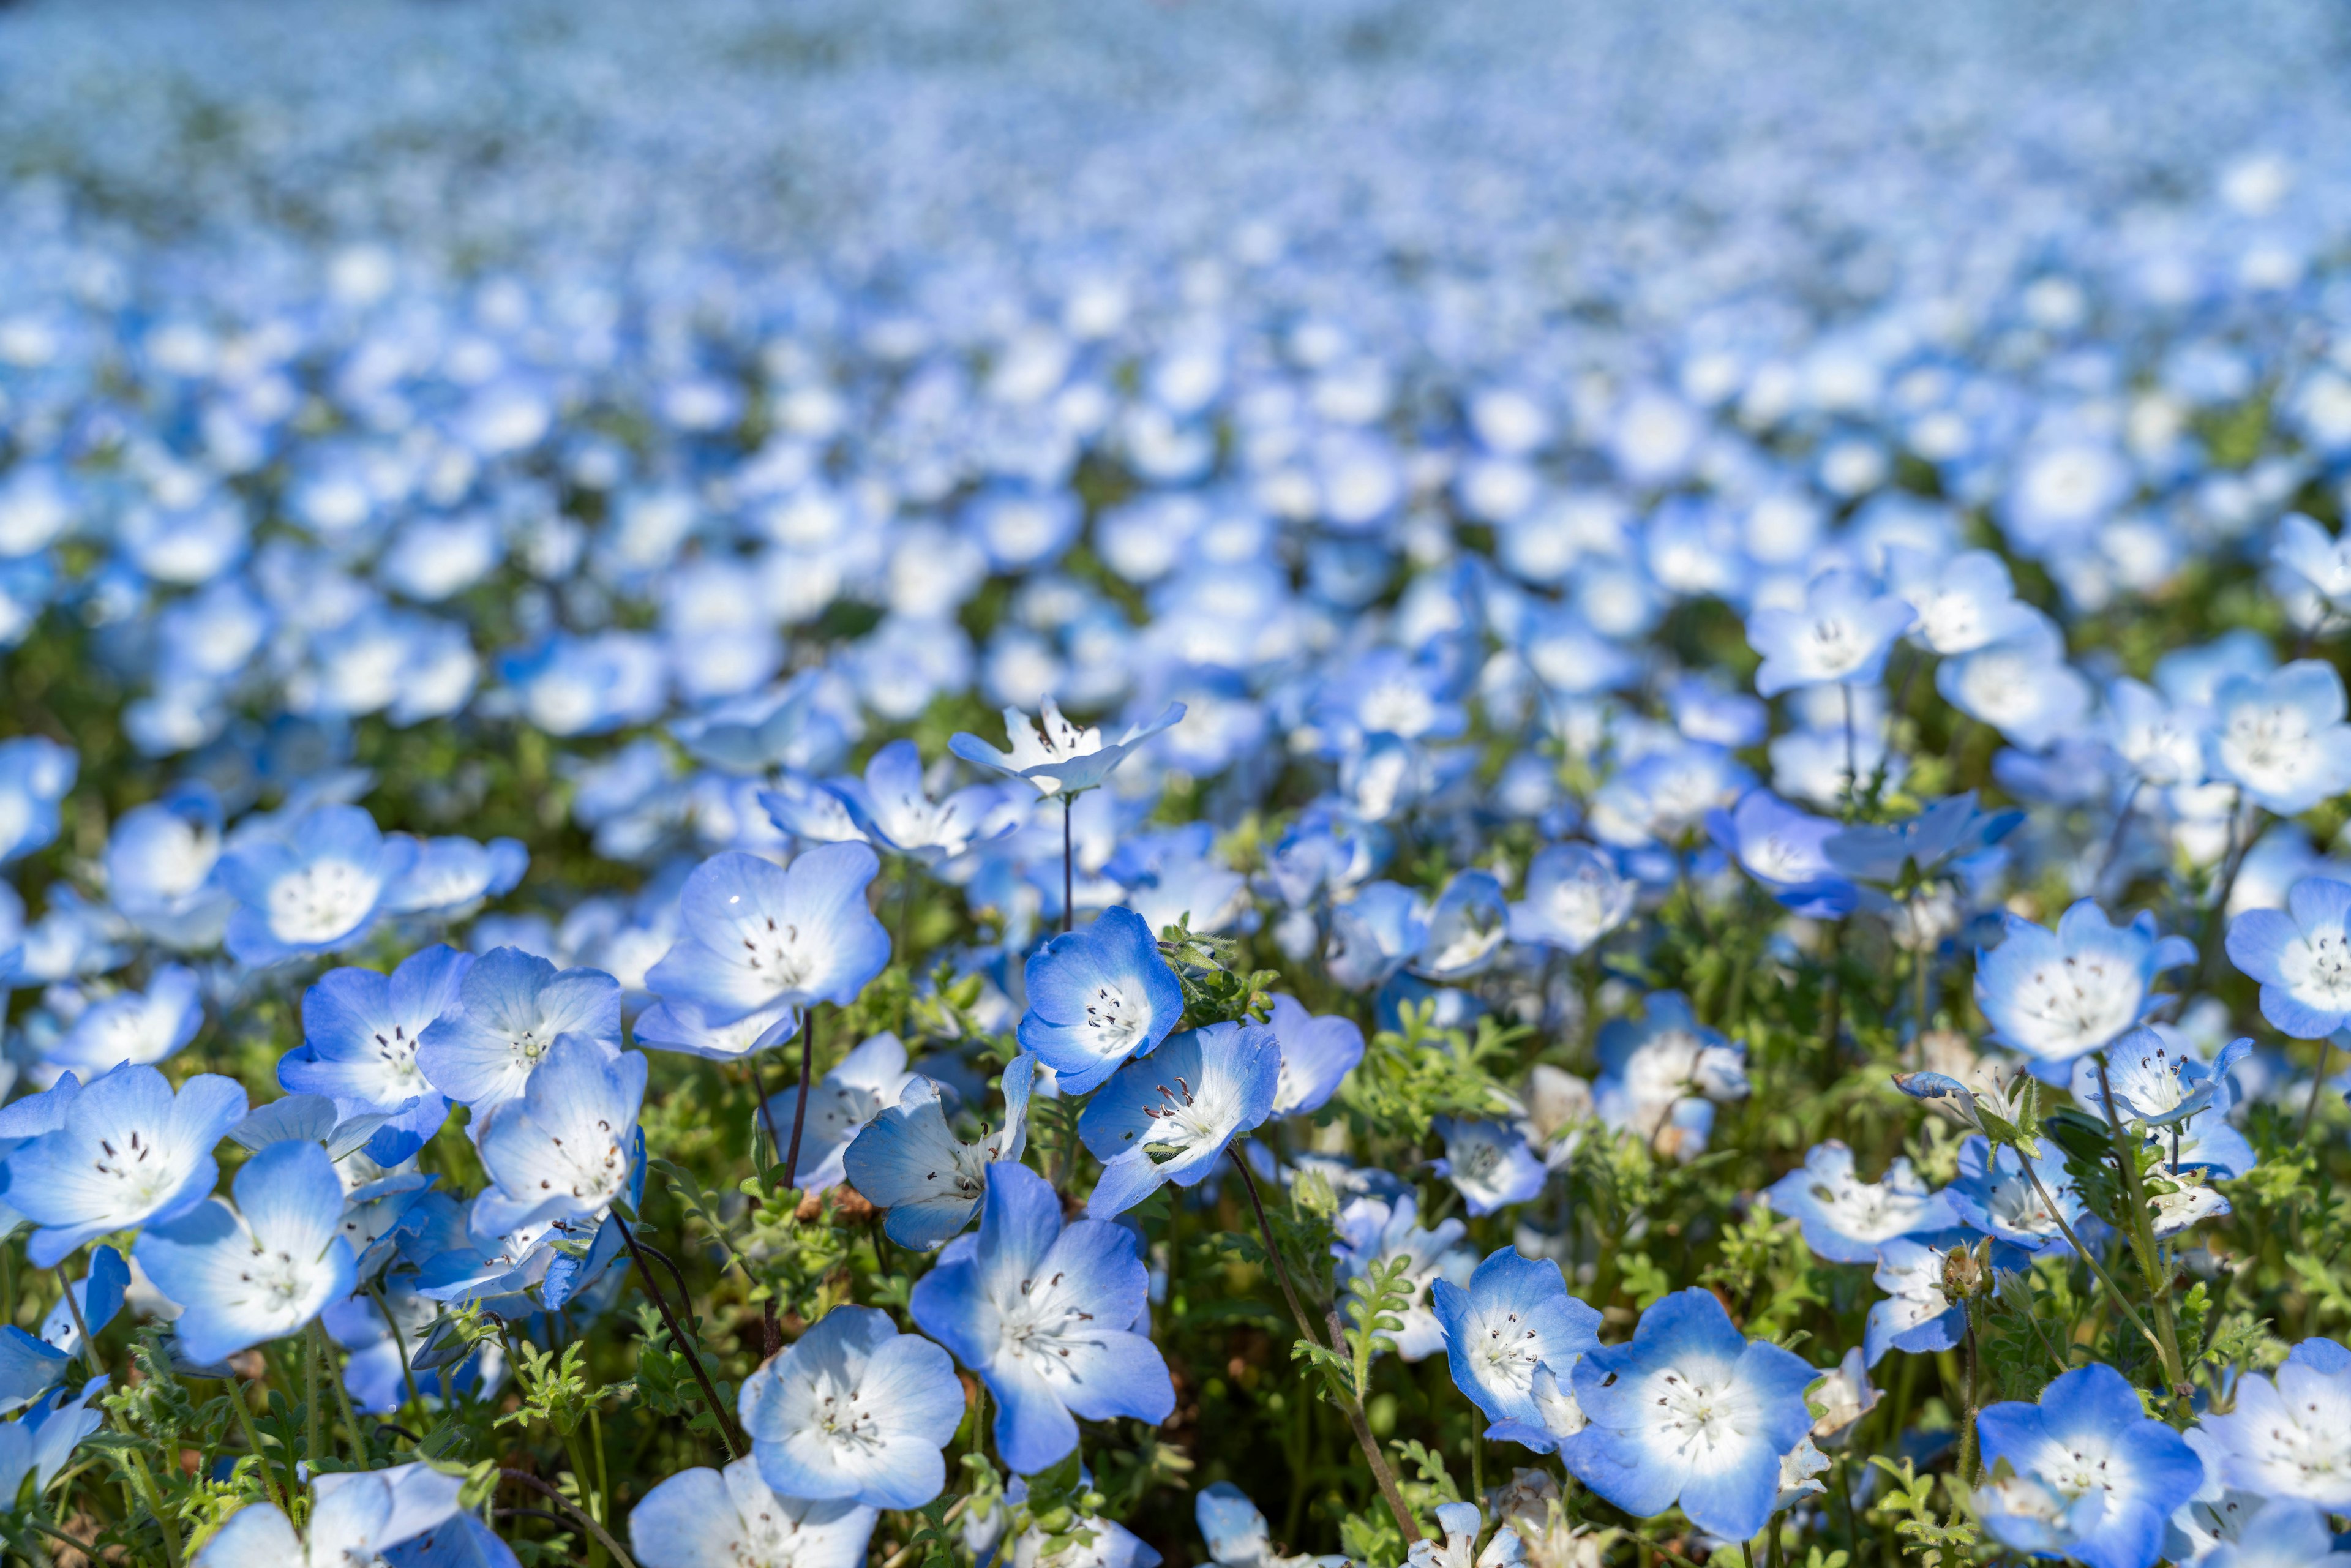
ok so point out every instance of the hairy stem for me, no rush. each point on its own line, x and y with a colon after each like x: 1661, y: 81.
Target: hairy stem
x: 690, y: 1349
x: 800, y: 1099
x: 524, y: 1478
x: 2142, y: 1235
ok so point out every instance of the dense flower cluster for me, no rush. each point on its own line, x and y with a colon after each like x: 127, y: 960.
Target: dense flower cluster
x: 803, y: 786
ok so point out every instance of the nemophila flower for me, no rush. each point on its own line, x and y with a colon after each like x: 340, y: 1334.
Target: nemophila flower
x: 2300, y: 955
x: 1786, y: 851
x: 1993, y: 1195
x: 1317, y: 1054
x: 1466, y: 927
x: 1916, y: 1315
x: 2054, y: 995
x: 1663, y: 1076
x: 1054, y: 755
x: 355, y: 1516
x: 34, y: 774
x: 54, y: 1429
x: 1044, y: 1314
x: 2094, y: 1478
x: 1666, y: 794
x: 891, y: 806
x: 1689, y: 1412
x: 809, y: 812
x: 1574, y: 896
x: 2159, y: 1081
x: 361, y: 1035
x: 868, y: 1079
x: 1842, y: 633
x: 1513, y: 1339
x: 160, y: 859
x: 1097, y: 997
x: 1237, y: 1536
x: 758, y: 935
x: 564, y: 1148
x: 2163, y: 742
x: 511, y: 1008
x: 141, y: 1027
x: 374, y: 1371
x: 1943, y: 833
x: 1375, y: 934
x: 1166, y: 1117
x: 1108, y: 1546
x: 2324, y: 561
x: 854, y: 1410
x: 2281, y: 1532
x: 1460, y: 1523
x: 31, y: 1365
x: 2289, y: 1436
x: 908, y: 1161
x: 1845, y: 1218
x: 1380, y: 1230
x: 704, y: 1518
x: 263, y: 1269
x: 2020, y: 686
x: 314, y: 886
x: 1488, y: 1163
x: 452, y: 874
x: 1962, y: 602
x: 679, y: 1024
x: 128, y: 1151
x: 2280, y: 736
x: 1842, y: 1397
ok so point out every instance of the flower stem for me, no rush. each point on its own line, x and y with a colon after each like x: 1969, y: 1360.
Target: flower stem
x: 238, y: 1397
x: 317, y: 1436
x: 1968, y: 1417
x: 690, y: 1349
x: 2317, y: 1084
x: 1068, y: 861
x: 800, y: 1101
x: 1347, y: 1397
x: 398, y: 1343
x: 326, y: 1349
x: 2142, y: 1235
x: 2087, y: 1256
x: 524, y: 1478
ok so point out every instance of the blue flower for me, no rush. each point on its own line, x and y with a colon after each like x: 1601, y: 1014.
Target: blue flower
x: 845, y: 1100
x: 2054, y: 995
x: 2280, y: 736
x: 1993, y: 1195
x: 1945, y: 831
x: 450, y: 875
x: 1916, y: 1315
x: 1663, y: 1076
x: 512, y: 1006
x: 757, y: 936
x: 1688, y: 1385
x: 681, y: 1024
x: 1466, y: 928
x: 854, y: 1410
x: 1378, y: 1230
x: 896, y: 812
x: 263, y: 1270
x: 1317, y: 1054
x: 132, y: 1026
x: 1786, y: 849
x: 373, y: 1372
x: 1512, y: 1340
x: 361, y: 1035
x: 1044, y: 1314
x: 316, y: 886
x: 2095, y: 1477
x: 34, y: 774
x: 2020, y: 686
x: 128, y: 1151
x: 1375, y: 934
x: 2280, y: 1533
x: 565, y: 1147
x: 1167, y: 1116
x: 30, y: 1366
x: 1489, y: 1162
x: 2159, y: 1081
x: 1842, y: 636
x: 1574, y: 896
x: 354, y: 1517
x: 1097, y: 997
x: 1846, y: 1220
x: 704, y: 1518
x: 2284, y: 1436
x: 1056, y: 756
x: 907, y: 1161
x: 159, y: 861
x: 2301, y: 955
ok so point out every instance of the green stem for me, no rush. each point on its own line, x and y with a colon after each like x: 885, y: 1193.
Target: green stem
x: 2114, y: 1291
x: 2317, y: 1084
x: 317, y: 1436
x: 1968, y: 1417
x: 238, y: 1397
x: 361, y: 1447
x: 398, y: 1343
x: 2142, y: 1235
x: 579, y: 1473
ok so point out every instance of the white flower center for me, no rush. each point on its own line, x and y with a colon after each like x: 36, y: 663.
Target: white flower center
x: 322, y: 900
x: 774, y: 952
x: 2318, y: 968
x: 1041, y: 1326
x: 144, y: 1169
x: 1116, y: 1018
x: 2081, y: 1001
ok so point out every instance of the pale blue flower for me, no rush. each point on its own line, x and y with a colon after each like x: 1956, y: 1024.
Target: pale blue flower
x: 2056, y: 995
x: 2280, y: 736
x: 1167, y: 1116
x: 567, y: 1146
x: 1488, y: 1163
x: 755, y: 935
x: 1098, y: 997
x: 511, y: 1008
x: 1513, y: 1337
x: 854, y: 1410
x: 1916, y: 1314
x: 317, y: 886
x: 361, y: 1032
x: 2286, y: 1435
x: 2095, y: 1477
x: 893, y: 808
x: 128, y: 1151
x: 1375, y: 934
x: 34, y: 774
x: 1056, y: 756
x: 31, y: 1365
x: 144, y: 1027
x: 1786, y: 851
x: 2301, y: 955
x: 355, y: 1516
x: 1841, y: 634
x: 452, y: 874
x: 1317, y: 1054
x: 867, y: 1081
x: 1993, y: 1195
x: 907, y: 1160
x: 262, y: 1270
x: 1381, y: 1230
x: 160, y: 859
x: 703, y: 1517
x: 1846, y: 1220
x: 1574, y: 896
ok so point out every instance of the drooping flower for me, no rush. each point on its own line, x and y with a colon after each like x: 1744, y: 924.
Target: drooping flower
x: 2280, y: 736
x: 854, y: 1410
x: 2290, y: 1435
x: 1785, y: 851
x: 565, y: 1149
x: 1841, y: 634
x: 907, y: 1160
x: 1574, y: 896
x: 263, y: 1269
x: 1513, y: 1340
x: 128, y: 1151
x: 867, y: 1080
x: 316, y: 886
x: 1663, y: 1076
x: 1488, y: 1163
x: 1916, y: 1315
x: 511, y: 1008
x: 757, y: 936
x: 1380, y: 1230
x: 1096, y: 998
x: 2094, y: 1478
x: 1995, y: 1196
x: 1237, y: 1536
x: 2056, y: 995
x: 891, y: 806
x: 1044, y: 1314
x: 1166, y: 1117
x: 2301, y: 955
x: 361, y: 1035
x: 1317, y: 1054
x: 1054, y: 755
x: 1845, y: 1218
x: 141, y: 1027
x: 1689, y: 1412
x: 703, y: 1517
